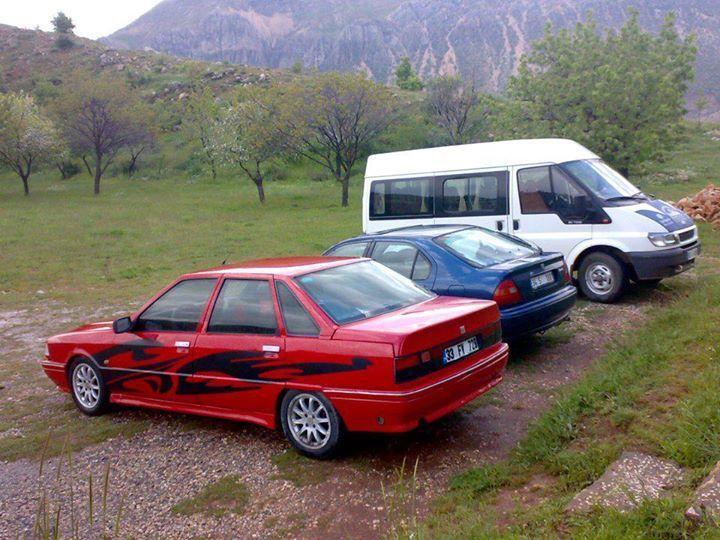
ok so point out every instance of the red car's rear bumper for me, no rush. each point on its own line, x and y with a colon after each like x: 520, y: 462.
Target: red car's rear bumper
x: 424, y: 401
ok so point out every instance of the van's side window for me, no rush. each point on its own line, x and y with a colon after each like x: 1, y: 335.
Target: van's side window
x: 475, y: 195
x: 548, y: 190
x: 401, y: 198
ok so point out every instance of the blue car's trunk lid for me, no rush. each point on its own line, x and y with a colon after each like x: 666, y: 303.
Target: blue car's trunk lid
x: 537, y: 275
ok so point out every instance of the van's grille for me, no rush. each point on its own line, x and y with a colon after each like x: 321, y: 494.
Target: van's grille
x: 687, y: 235
x: 488, y: 336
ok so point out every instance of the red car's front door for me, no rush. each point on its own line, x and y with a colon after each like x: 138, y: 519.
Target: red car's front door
x: 238, y: 351
x: 152, y: 360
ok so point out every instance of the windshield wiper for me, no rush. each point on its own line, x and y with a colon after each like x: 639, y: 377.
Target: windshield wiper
x: 639, y: 196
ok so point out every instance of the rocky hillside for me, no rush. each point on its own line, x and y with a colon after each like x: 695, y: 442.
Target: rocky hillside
x: 31, y: 61
x: 483, y: 39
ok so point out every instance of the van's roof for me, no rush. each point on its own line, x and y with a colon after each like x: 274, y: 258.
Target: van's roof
x: 447, y: 159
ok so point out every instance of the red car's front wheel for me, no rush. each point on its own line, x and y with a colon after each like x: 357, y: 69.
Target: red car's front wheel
x: 311, y: 423
x: 88, y: 387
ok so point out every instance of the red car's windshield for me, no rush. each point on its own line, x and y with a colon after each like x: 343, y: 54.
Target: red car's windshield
x: 353, y: 292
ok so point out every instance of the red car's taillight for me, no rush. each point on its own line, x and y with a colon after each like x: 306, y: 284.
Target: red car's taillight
x: 507, y: 293
x: 411, y: 361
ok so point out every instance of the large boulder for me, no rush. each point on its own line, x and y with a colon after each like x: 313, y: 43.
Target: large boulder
x: 706, y: 506
x: 631, y: 479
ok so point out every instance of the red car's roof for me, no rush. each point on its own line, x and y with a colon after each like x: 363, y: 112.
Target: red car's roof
x: 285, y: 266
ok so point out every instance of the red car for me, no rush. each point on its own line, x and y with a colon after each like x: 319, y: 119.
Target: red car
x: 318, y: 345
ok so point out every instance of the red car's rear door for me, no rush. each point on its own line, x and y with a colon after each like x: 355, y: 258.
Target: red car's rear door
x: 152, y: 360
x: 239, y: 349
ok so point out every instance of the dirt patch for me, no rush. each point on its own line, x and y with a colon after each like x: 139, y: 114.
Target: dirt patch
x: 178, y: 456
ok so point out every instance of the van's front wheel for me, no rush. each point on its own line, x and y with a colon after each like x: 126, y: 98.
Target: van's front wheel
x: 602, y: 278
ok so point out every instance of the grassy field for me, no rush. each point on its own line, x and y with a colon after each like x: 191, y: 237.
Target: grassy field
x: 64, y: 244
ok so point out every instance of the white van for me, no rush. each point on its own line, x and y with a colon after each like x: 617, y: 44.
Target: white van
x: 553, y: 192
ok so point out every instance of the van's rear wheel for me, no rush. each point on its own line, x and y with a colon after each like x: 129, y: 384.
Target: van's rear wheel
x: 602, y: 278
x: 311, y: 423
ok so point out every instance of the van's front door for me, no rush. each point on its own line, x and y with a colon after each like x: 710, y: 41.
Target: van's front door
x: 477, y: 198
x: 550, y: 209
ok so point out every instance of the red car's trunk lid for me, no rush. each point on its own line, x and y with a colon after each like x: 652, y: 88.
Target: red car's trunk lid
x: 444, y: 319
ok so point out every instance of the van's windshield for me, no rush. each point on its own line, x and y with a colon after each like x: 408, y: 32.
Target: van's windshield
x: 602, y: 180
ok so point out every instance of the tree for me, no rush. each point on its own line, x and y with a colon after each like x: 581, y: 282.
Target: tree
x: 331, y: 117
x: 454, y: 105
x: 27, y: 137
x: 145, y: 137
x: 247, y: 137
x: 406, y: 77
x: 99, y: 116
x: 200, y: 119
x: 621, y: 94
x: 701, y: 103
x: 63, y: 26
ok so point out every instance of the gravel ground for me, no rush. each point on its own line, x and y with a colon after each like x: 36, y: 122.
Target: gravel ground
x: 179, y: 455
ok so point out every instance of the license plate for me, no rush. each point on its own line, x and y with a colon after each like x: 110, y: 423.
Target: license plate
x: 692, y: 253
x: 460, y: 350
x: 542, y: 279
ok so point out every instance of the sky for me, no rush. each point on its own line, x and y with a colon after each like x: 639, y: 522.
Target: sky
x: 92, y: 18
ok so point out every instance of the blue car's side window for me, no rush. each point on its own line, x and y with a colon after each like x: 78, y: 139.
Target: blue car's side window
x: 404, y: 258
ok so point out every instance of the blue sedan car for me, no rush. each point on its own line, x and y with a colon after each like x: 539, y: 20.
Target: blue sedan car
x: 533, y: 289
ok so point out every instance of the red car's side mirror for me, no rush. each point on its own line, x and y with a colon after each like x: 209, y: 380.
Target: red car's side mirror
x: 124, y: 324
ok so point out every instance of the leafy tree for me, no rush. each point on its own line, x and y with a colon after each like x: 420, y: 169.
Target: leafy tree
x: 200, y: 119
x: 455, y: 107
x: 297, y: 67
x: 63, y: 26
x: 406, y: 77
x: 100, y: 116
x: 27, y: 137
x: 621, y: 94
x: 330, y: 119
x: 247, y: 137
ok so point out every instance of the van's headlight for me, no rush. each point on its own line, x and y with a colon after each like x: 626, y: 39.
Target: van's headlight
x: 663, y: 239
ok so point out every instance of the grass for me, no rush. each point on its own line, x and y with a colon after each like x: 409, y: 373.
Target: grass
x: 228, y: 494
x: 299, y: 470
x: 139, y: 234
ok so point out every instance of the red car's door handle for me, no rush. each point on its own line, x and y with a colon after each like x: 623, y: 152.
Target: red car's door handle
x: 271, y: 348
x: 182, y: 344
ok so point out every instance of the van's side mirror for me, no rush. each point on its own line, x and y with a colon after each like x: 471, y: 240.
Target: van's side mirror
x: 122, y: 325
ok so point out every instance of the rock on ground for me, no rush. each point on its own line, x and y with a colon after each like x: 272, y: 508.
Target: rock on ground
x: 706, y: 506
x: 629, y: 480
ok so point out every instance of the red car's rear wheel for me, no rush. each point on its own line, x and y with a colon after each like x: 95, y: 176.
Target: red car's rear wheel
x: 311, y: 423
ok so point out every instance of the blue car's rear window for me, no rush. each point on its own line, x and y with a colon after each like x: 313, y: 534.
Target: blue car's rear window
x: 482, y: 247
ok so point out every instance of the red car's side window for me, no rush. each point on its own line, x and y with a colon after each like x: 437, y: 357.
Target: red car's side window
x: 244, y: 306
x: 179, y: 309
x: 298, y: 322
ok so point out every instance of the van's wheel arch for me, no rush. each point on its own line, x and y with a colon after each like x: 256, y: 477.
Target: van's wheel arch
x: 603, y: 274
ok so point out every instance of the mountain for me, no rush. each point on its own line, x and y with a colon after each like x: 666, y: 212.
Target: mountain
x: 482, y: 39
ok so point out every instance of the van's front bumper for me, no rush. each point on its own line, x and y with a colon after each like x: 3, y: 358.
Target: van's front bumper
x: 538, y: 315
x: 424, y: 400
x: 665, y: 263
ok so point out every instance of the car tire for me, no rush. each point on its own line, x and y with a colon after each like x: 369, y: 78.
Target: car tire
x: 602, y: 278
x: 88, y: 387
x: 311, y: 424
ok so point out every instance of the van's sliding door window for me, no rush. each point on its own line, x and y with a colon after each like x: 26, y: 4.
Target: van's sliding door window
x: 478, y: 195
x: 401, y: 198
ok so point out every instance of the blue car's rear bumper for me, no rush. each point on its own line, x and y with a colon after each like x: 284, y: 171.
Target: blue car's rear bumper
x: 538, y: 315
